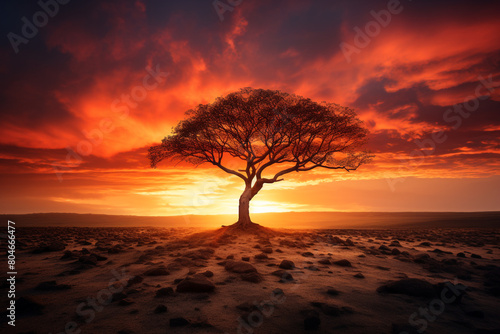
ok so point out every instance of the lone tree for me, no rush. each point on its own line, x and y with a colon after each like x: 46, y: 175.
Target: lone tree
x: 253, y: 132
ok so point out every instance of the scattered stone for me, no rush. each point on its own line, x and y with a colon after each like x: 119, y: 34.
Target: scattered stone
x: 284, y: 275
x: 208, y: 273
x: 307, y: 254
x: 197, y: 283
x: 163, y: 292
x: 461, y: 254
x: 246, y: 306
x: 421, y: 258
x: 312, y: 268
x: 126, y: 302
x: 395, y: 243
x: 450, y: 262
x: 383, y: 268
x: 333, y: 292
x: 325, y: 261
x: 261, y: 256
x: 68, y: 255
x: 410, y: 287
x: 99, y: 257
x: 311, y: 320
x: 439, y: 251
x: 359, y: 275
x: 476, y: 256
x: 253, y: 277
x: 69, y: 273
x: 278, y: 293
x: 88, y: 260
x: 349, y: 242
x: 118, y: 296
x: 286, y: 264
x: 245, y: 258
x: 330, y: 310
x: 343, y: 263
x: 492, y: 281
x: 384, y: 248
x: 159, y: 271
x: 132, y: 291
x: 160, y: 309
x: 267, y: 250
x: 28, y: 306
x: 52, y: 286
x: 135, y: 280
x: 239, y: 267
x: 456, y: 291
x: 116, y: 249
x: 201, y: 324
x: 178, y: 322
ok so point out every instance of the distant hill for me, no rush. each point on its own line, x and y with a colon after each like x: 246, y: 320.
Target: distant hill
x: 319, y: 220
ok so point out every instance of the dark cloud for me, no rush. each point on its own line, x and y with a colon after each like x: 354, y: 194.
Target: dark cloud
x: 64, y: 80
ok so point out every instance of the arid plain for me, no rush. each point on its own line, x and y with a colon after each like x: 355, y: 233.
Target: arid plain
x: 409, y: 279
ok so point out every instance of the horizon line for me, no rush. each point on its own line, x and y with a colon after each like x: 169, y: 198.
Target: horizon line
x: 229, y: 214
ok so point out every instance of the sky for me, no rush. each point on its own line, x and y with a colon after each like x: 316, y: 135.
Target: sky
x: 88, y: 86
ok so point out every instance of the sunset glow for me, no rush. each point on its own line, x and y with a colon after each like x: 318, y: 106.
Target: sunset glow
x: 103, y: 81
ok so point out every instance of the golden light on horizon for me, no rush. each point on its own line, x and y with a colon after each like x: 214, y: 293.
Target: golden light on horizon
x: 250, y: 166
x: 401, y: 85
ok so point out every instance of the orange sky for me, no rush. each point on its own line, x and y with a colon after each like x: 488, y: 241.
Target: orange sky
x: 71, y: 140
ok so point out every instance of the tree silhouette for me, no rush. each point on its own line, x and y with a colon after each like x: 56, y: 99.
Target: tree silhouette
x: 255, y: 132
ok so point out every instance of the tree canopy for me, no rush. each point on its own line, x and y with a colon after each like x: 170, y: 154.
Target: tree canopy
x: 270, y: 132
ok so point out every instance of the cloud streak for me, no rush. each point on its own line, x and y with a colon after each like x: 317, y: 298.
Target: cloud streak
x: 64, y: 82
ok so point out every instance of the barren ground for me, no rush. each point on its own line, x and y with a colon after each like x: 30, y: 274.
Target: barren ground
x: 223, y: 294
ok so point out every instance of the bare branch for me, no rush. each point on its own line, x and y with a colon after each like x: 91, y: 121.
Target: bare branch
x: 264, y: 129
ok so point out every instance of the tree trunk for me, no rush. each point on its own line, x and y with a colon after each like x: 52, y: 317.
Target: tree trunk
x: 244, y: 208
